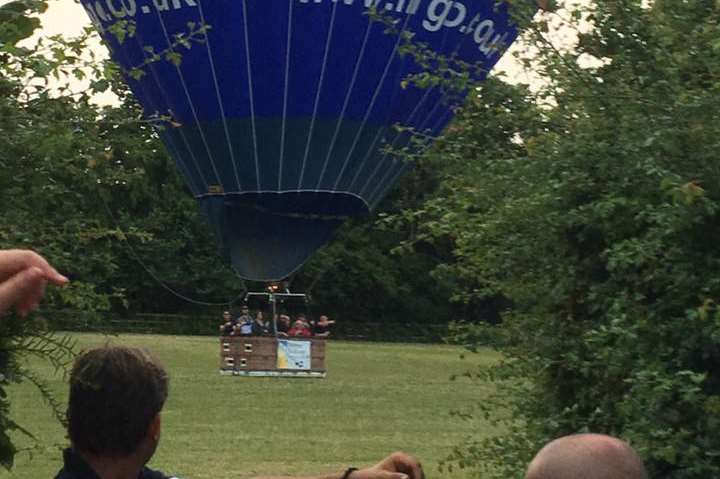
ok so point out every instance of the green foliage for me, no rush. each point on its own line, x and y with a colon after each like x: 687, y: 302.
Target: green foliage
x: 596, y: 216
x: 87, y: 187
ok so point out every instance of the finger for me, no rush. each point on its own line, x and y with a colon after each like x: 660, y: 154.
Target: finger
x: 14, y: 261
x: 24, y: 290
x: 32, y: 300
x: 396, y: 475
x: 407, y: 464
x: 378, y: 472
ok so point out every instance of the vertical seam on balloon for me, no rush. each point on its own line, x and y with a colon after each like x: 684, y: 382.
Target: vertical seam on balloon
x: 382, y: 161
x: 250, y: 91
x: 425, y: 96
x: 431, y: 139
x: 417, y: 108
x: 375, y: 171
x: 446, y: 95
x: 285, y: 96
x: 317, y: 95
x: 373, y: 100
x: 181, y: 162
x: 384, y: 158
x: 432, y: 112
x: 370, y: 151
x: 182, y: 134
x: 219, y: 98
x: 182, y: 166
x: 187, y: 95
x: 372, y: 199
x: 381, y: 183
x: 361, y: 56
x: 390, y: 168
x: 381, y: 133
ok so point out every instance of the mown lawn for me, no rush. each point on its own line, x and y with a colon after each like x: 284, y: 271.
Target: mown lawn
x: 377, y: 398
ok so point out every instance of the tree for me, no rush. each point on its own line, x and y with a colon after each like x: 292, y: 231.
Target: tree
x: 598, y: 220
x: 76, y: 184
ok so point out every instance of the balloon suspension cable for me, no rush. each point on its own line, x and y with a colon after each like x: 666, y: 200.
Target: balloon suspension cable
x: 157, y: 279
x: 320, y: 275
x: 289, y: 280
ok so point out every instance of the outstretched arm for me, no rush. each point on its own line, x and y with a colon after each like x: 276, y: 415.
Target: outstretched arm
x: 23, y: 277
x: 396, y: 466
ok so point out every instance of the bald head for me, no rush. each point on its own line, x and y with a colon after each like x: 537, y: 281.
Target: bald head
x: 586, y: 456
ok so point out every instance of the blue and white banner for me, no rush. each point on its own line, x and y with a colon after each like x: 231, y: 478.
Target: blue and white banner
x: 294, y: 354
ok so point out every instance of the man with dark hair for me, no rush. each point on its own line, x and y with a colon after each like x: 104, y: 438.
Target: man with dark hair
x: 116, y: 396
x: 227, y: 328
x: 587, y: 456
x: 322, y: 327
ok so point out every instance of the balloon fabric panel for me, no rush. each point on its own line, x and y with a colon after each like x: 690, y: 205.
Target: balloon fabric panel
x: 280, y: 113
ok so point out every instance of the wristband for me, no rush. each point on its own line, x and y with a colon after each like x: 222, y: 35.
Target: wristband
x: 349, y: 471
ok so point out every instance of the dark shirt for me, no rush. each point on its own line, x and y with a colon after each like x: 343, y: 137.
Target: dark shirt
x: 321, y: 329
x: 260, y: 328
x: 283, y: 327
x: 76, y: 468
x: 228, y: 328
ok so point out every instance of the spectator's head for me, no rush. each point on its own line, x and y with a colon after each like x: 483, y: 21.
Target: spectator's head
x: 116, y: 395
x: 284, y: 318
x: 590, y: 456
x: 245, y: 309
x: 299, y: 324
x: 259, y: 316
x: 323, y: 319
x: 226, y: 316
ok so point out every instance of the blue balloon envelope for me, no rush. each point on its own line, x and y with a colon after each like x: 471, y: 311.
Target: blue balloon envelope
x: 282, y: 113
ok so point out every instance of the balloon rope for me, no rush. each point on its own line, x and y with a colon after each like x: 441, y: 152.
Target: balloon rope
x: 285, y: 95
x: 251, y: 93
x: 157, y: 279
x: 189, y: 100
x: 350, y: 89
x: 378, y: 89
x: 319, y: 91
x: 219, y: 97
x: 320, y: 275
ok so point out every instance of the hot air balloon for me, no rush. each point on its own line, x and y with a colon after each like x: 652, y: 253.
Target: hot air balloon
x: 282, y: 112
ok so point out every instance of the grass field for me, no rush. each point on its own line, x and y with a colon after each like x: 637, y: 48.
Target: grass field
x: 377, y: 398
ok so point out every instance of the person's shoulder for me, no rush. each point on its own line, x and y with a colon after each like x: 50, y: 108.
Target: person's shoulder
x: 152, y: 474
x: 63, y: 474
